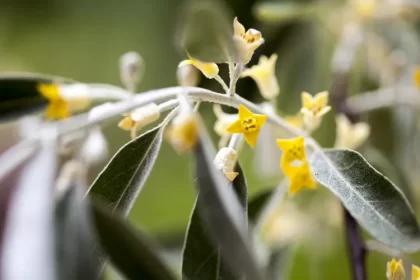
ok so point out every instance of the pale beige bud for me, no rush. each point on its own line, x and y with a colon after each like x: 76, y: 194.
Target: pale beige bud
x: 225, y: 161
x: 132, y: 67
x: 187, y: 76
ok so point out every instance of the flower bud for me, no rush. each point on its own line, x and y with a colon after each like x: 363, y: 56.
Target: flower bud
x: 76, y: 95
x: 139, y: 118
x: 95, y: 148
x: 187, y: 76
x: 225, y: 161
x: 132, y: 68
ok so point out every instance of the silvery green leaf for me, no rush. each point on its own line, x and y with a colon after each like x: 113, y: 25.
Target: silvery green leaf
x: 129, y: 250
x: 77, y: 257
x: 28, y: 241
x: 374, y: 201
x: 121, y: 181
x: 201, y: 259
x: 222, y: 213
x: 205, y: 31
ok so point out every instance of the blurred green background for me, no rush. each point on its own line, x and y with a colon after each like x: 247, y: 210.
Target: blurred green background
x: 83, y: 40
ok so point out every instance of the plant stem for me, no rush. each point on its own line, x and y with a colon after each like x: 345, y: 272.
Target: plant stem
x: 355, y: 246
x: 234, y: 77
x: 343, y: 59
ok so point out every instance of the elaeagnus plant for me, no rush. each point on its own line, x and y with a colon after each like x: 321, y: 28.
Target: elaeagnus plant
x: 55, y: 226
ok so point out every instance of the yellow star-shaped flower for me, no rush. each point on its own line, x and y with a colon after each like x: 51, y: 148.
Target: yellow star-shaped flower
x: 57, y: 108
x: 415, y: 272
x: 395, y: 270
x: 209, y: 70
x: 249, y: 124
x: 300, y: 178
x: 315, y: 106
x: 417, y: 77
x: 293, y: 150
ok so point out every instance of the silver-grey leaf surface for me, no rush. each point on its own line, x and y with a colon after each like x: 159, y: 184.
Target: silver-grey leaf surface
x: 374, y: 201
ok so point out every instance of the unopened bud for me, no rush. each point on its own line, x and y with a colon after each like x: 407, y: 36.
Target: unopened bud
x: 139, y: 118
x: 132, y: 68
x: 225, y: 161
x: 77, y: 96
x: 187, y: 76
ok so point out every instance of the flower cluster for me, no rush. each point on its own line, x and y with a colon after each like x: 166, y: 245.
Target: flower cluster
x: 295, y: 165
x: 395, y: 271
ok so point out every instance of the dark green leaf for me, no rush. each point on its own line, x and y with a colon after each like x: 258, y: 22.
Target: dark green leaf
x: 122, y: 179
x: 222, y: 213
x: 76, y: 256
x: 257, y: 203
x: 201, y: 259
x: 28, y: 241
x: 374, y: 201
x: 128, y: 249
x: 19, y: 94
x: 205, y: 31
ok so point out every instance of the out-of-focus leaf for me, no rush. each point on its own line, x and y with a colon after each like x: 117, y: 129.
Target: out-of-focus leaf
x: 201, y: 259
x: 128, y: 249
x: 121, y: 181
x: 286, y: 11
x: 76, y: 256
x: 275, y: 263
x: 257, y: 203
x: 222, y: 213
x: 19, y: 94
x: 205, y: 31
x: 378, y: 160
x: 374, y: 201
x: 28, y: 246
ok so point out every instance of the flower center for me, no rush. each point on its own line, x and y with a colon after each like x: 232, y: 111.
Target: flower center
x: 250, y: 124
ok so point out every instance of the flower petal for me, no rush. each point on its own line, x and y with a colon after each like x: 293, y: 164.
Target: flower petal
x: 235, y: 127
x: 238, y: 28
x: 307, y: 100
x: 251, y: 138
x: 244, y: 113
x: 321, y: 99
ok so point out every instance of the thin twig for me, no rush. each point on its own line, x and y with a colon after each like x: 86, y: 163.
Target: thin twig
x: 234, y: 77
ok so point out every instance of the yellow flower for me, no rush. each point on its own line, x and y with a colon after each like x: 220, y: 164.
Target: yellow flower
x: 314, y: 108
x: 184, y: 132
x: 300, y: 178
x: 249, y: 124
x: 264, y: 75
x: 210, y: 70
x: 139, y: 118
x: 57, y: 108
x: 246, y: 41
x: 293, y: 151
x: 395, y: 270
x: 365, y: 8
x: 415, y: 272
x: 350, y: 135
x: 417, y: 77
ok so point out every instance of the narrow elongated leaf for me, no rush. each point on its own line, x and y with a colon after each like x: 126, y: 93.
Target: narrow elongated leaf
x: 77, y: 257
x: 122, y: 179
x: 223, y: 214
x: 374, y: 201
x: 201, y: 259
x: 128, y: 249
x: 205, y: 31
x: 28, y: 246
x: 19, y: 94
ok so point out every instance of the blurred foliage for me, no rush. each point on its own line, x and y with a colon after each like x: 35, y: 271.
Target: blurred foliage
x: 83, y: 40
